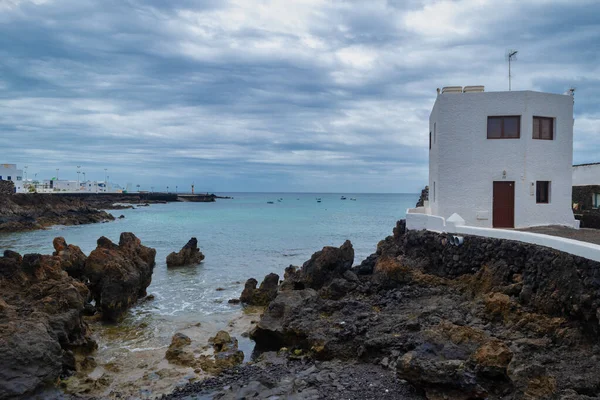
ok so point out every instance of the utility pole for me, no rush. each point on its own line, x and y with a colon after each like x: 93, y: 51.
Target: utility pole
x: 57, y: 174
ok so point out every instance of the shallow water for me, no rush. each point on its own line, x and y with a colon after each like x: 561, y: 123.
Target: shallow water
x: 241, y: 238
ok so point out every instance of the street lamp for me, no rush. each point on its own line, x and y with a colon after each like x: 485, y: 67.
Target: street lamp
x: 152, y: 189
x: 176, y: 191
x: 138, y: 187
x: 56, y: 173
x: 105, y: 178
x: 78, y: 172
x: 167, y: 189
x: 26, y: 173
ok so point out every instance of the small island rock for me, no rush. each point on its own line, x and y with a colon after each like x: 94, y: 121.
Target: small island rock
x: 190, y: 254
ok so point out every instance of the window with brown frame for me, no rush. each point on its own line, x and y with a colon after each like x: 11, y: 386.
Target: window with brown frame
x: 504, y: 127
x: 543, y: 128
x: 542, y: 192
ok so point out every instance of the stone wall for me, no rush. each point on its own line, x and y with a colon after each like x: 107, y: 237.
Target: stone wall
x: 582, y: 195
x: 548, y: 280
x: 7, y: 187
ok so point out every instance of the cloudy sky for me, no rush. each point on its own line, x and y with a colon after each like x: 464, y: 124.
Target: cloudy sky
x: 271, y: 95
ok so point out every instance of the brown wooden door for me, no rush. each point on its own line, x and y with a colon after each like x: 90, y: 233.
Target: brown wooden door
x: 504, y: 205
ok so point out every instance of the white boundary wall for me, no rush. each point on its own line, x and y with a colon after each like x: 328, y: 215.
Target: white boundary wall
x: 420, y: 221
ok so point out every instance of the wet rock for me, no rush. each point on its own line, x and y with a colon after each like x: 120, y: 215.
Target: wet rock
x: 264, y: 294
x: 178, y: 352
x: 189, y: 255
x: 121, y: 216
x: 119, y: 274
x: 41, y: 325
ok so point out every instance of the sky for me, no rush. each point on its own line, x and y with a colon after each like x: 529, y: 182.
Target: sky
x: 271, y: 95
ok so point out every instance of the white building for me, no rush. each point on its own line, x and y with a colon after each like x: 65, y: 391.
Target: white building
x: 586, y: 174
x: 501, y: 159
x: 9, y: 172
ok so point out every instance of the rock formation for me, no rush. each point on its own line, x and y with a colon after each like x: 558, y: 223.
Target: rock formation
x: 188, y: 255
x: 21, y: 212
x: 72, y: 259
x: 7, y: 188
x: 41, y: 325
x: 225, y: 353
x: 423, y: 197
x: 119, y: 274
x: 264, y: 294
x: 491, y: 319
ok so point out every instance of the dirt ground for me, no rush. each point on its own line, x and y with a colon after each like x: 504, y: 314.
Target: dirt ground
x: 583, y: 234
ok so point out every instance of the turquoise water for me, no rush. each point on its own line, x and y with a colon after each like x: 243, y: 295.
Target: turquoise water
x: 241, y: 238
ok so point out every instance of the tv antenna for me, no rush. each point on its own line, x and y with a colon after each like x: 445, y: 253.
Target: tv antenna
x: 511, y: 55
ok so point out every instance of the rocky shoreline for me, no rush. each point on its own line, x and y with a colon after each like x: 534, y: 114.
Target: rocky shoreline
x: 418, y: 319
x: 31, y: 211
x: 423, y: 319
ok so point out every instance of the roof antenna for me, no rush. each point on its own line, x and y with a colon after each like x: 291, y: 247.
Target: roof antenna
x: 511, y: 55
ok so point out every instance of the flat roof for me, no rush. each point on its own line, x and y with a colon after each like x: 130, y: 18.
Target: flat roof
x: 583, y: 165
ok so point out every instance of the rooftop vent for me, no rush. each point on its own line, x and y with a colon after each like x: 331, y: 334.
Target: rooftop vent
x: 474, y: 89
x: 452, y: 89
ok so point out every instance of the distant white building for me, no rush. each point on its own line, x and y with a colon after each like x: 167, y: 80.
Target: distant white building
x: 586, y: 174
x: 9, y: 172
x: 501, y: 159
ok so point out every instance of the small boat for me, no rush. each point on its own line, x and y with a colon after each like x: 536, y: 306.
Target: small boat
x: 318, y: 201
x: 270, y: 202
x: 353, y: 199
x: 343, y: 198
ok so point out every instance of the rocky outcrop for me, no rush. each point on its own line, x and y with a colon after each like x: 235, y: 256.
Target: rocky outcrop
x: 225, y: 353
x: 21, y: 212
x: 322, y: 268
x: 264, y: 294
x: 72, y: 259
x: 189, y: 255
x: 119, y: 274
x: 41, y: 325
x: 423, y: 197
x: 491, y: 319
x: 7, y: 188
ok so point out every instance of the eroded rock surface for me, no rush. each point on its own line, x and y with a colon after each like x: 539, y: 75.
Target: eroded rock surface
x: 41, y: 325
x: 490, y: 319
x: 119, y: 274
x: 190, y: 254
x: 263, y: 295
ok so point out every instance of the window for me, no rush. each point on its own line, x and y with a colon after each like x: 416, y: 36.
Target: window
x: 434, y: 191
x: 429, y: 140
x: 543, y: 128
x: 505, y: 127
x: 542, y: 192
x: 596, y: 200
x: 9, y: 178
x: 19, y: 178
x: 434, y: 132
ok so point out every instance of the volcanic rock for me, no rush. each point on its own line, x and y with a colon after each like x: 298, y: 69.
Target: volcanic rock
x: 119, y: 275
x: 72, y: 258
x: 188, y: 255
x: 264, y: 294
x: 41, y: 323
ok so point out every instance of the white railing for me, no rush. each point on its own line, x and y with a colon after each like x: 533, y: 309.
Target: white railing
x: 419, y: 221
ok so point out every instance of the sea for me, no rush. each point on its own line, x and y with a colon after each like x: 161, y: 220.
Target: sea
x: 241, y: 237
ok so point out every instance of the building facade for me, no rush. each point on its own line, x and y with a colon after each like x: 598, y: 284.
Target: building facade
x: 501, y: 159
x: 586, y: 186
x: 9, y: 172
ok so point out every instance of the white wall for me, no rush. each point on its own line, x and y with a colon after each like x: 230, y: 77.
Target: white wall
x: 16, y: 175
x: 465, y: 163
x: 586, y: 174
